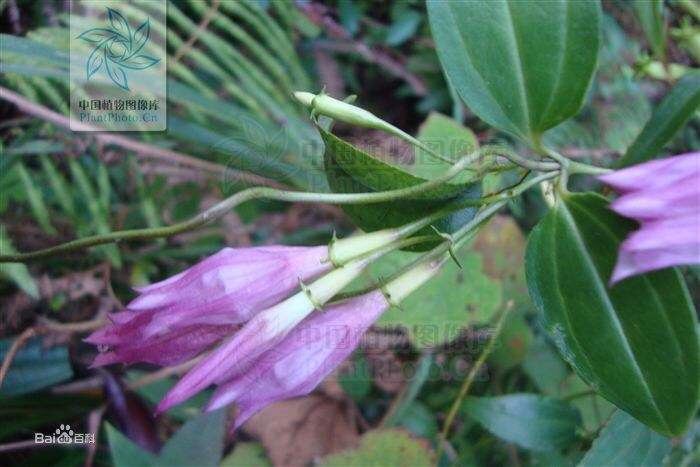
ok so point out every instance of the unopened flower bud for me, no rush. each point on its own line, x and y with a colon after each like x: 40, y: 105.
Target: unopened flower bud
x: 401, y: 287
x: 324, y: 104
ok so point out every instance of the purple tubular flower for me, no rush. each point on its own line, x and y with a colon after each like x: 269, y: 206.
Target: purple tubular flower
x: 303, y: 359
x: 664, y: 197
x: 231, y: 285
x: 267, y: 329
x: 169, y: 349
x: 175, y: 319
x: 240, y: 301
x: 300, y: 361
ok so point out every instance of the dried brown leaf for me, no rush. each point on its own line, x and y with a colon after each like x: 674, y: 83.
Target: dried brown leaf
x: 298, y: 431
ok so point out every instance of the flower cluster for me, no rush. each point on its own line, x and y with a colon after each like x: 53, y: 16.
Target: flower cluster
x: 270, y: 340
x: 664, y: 197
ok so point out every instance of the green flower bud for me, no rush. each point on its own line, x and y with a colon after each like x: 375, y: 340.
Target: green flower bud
x: 323, y: 104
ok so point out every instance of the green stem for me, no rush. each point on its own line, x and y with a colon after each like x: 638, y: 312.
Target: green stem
x: 580, y: 168
x: 496, y: 202
x: 578, y: 395
x: 573, y: 167
x: 403, y: 243
x: 223, y: 207
x: 470, y: 379
x: 528, y: 163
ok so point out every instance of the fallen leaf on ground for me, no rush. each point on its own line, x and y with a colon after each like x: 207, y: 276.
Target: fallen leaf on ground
x: 298, y: 431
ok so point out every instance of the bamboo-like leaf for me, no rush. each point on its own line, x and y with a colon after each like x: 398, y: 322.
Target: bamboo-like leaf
x: 651, y: 16
x: 49, y: 55
x: 99, y: 218
x: 36, y: 200
x: 59, y: 185
x: 17, y: 272
x: 103, y: 186
x: 669, y: 116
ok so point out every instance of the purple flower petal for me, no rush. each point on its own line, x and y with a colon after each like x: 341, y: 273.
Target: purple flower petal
x: 680, y: 199
x: 181, y: 316
x: 664, y: 197
x: 169, y: 349
x: 263, y: 332
x: 631, y: 263
x: 242, y: 276
x: 303, y: 359
x: 666, y: 233
x: 237, y: 353
x: 659, y: 172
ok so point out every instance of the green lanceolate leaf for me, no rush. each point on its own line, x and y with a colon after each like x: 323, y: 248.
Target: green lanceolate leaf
x: 16, y: 272
x: 126, y: 453
x: 199, y: 442
x: 381, y: 175
x: 523, y: 67
x: 528, y: 420
x: 636, y: 342
x: 351, y: 170
x: 34, y: 367
x: 669, y: 116
x: 651, y: 16
x: 626, y: 442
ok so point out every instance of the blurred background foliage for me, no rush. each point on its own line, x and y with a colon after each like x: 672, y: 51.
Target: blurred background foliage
x: 232, y: 66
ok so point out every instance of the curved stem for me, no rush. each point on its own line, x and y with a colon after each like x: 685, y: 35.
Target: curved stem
x: 517, y: 159
x: 573, y: 167
x: 464, y: 389
x: 12, y: 352
x: 460, y: 236
x: 580, y: 168
x: 221, y: 208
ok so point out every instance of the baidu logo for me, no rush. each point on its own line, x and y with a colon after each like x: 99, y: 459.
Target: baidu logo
x: 64, y: 435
